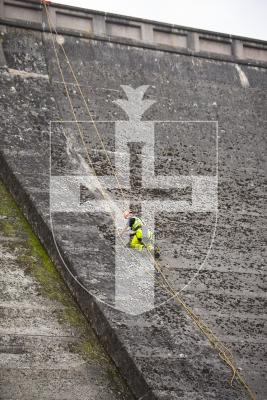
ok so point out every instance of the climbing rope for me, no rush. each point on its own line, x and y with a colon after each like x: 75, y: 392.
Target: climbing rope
x: 102, y: 191
x: 223, y: 352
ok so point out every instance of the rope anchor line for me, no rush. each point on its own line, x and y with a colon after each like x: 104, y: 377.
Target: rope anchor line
x: 223, y: 352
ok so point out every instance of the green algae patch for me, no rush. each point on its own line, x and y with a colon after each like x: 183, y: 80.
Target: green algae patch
x: 8, y: 207
x: 90, y: 350
x: 8, y: 213
x: 40, y: 266
x: 88, y: 346
x: 36, y: 262
x: 7, y: 228
x: 31, y: 252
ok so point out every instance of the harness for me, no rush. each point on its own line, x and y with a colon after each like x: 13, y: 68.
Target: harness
x: 146, y: 235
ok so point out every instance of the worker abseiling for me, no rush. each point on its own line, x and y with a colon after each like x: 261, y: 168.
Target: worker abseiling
x: 140, y: 235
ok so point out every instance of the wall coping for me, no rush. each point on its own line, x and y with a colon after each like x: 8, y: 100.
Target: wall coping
x: 138, y: 32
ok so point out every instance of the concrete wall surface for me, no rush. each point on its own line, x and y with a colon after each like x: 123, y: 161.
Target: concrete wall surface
x: 198, y: 101
x: 134, y: 31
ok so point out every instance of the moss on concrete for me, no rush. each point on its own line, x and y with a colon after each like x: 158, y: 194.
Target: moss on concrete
x: 35, y: 261
x: 7, y: 228
x: 8, y: 207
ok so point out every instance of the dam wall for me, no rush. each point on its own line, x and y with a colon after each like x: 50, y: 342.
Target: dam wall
x: 209, y: 120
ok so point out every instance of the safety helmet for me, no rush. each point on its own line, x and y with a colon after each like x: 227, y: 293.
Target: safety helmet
x: 127, y: 213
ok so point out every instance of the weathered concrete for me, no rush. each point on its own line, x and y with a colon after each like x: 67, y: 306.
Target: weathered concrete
x: 161, y: 354
x: 47, y: 349
x: 134, y: 31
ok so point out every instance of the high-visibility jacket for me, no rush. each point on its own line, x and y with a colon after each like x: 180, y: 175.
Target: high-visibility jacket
x: 143, y: 237
x: 135, y: 223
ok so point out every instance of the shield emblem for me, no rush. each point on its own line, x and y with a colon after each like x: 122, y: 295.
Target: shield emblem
x: 167, y: 171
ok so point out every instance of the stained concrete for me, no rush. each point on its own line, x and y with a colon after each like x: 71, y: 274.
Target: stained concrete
x: 47, y: 349
x: 160, y: 353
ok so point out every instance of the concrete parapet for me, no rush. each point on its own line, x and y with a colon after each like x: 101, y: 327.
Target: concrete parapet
x: 3, y: 63
x: 237, y: 48
x: 135, y: 31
